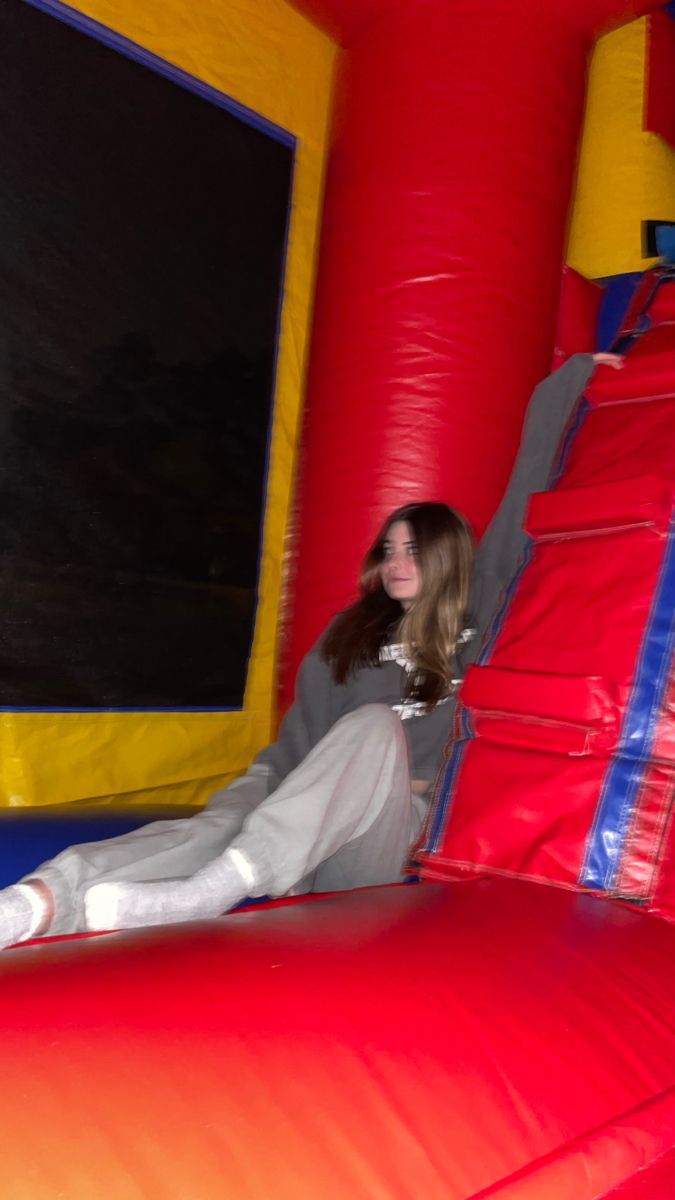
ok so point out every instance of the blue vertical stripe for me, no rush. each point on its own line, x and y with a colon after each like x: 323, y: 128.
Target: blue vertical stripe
x: 626, y: 772
x: 438, y: 815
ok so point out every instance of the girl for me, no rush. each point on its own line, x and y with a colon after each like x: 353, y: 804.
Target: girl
x: 338, y: 799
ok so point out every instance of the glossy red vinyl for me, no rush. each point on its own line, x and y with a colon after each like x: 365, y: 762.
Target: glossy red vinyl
x: 659, y: 115
x: 648, y: 371
x: 433, y: 1040
x: 447, y: 192
x: 528, y: 787
x: 580, y: 301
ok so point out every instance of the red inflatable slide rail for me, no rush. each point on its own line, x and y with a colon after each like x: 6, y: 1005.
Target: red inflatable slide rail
x: 564, y: 768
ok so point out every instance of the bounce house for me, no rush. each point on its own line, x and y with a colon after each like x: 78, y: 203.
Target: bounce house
x: 476, y: 192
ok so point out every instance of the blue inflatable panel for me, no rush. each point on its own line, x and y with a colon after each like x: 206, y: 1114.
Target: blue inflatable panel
x: 28, y: 836
x: 616, y: 298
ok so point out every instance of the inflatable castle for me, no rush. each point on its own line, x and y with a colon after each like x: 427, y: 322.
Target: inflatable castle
x: 477, y: 192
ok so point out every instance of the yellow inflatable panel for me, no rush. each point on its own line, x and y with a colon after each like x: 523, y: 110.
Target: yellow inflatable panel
x: 626, y: 175
x: 269, y: 58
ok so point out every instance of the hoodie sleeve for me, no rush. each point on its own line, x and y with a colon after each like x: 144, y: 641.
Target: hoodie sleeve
x: 504, y: 541
x: 314, y: 711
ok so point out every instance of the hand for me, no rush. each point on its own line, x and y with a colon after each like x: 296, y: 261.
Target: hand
x: 617, y: 361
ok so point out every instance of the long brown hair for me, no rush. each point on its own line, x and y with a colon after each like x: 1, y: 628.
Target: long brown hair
x: 430, y: 629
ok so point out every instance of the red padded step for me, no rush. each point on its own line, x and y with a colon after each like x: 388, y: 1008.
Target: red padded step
x: 631, y: 503
x: 573, y: 714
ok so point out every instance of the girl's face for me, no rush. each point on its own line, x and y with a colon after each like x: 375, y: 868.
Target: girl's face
x: 399, y: 570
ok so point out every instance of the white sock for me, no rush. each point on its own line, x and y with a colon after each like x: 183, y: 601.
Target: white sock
x: 212, y: 891
x: 22, y: 911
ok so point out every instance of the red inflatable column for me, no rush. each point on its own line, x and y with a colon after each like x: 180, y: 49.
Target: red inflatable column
x: 446, y: 203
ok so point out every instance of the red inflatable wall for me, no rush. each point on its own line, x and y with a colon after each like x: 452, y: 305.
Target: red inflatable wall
x: 446, y: 205
x: 564, y: 766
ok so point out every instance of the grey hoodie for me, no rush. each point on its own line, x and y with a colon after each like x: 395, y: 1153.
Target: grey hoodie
x: 320, y: 702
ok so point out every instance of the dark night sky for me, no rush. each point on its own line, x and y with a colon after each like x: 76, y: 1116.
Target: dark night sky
x: 127, y: 203
x: 141, y: 251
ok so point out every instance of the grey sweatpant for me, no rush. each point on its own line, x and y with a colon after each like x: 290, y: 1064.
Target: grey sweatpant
x: 344, y: 818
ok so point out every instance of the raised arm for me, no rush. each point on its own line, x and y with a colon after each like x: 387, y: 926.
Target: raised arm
x: 504, y: 541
